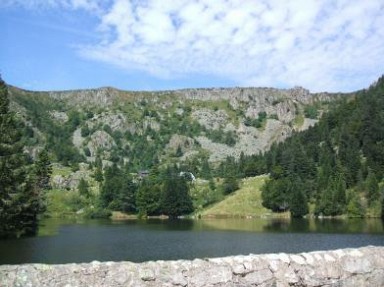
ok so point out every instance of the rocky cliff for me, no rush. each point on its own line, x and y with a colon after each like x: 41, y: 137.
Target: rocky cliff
x: 346, y: 267
x: 101, y: 121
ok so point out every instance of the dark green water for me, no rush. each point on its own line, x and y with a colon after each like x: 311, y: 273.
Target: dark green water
x: 64, y: 241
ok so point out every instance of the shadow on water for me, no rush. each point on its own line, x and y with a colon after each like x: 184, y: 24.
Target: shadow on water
x: 312, y: 225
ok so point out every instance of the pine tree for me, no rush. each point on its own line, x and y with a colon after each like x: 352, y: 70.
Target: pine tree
x: 83, y: 187
x: 230, y: 184
x: 333, y: 199
x: 148, y: 198
x: 98, y: 175
x: 275, y: 194
x: 205, y: 172
x: 298, y: 205
x: 127, y: 196
x: 20, y: 199
x: 43, y: 170
x: 176, y: 199
x: 372, y: 184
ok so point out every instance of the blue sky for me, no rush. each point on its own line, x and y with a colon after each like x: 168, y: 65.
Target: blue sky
x: 155, y: 45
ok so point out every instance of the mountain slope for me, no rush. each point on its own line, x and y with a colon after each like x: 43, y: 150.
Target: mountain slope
x: 337, y: 166
x: 142, y: 128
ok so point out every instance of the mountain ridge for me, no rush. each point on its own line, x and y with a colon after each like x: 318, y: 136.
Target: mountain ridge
x: 228, y: 110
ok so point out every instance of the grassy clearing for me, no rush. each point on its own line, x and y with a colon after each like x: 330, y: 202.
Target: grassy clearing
x: 63, y: 203
x: 298, y: 121
x: 61, y: 170
x: 245, y: 202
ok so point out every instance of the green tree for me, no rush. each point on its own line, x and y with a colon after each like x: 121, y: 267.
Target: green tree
x: 85, y: 131
x: 176, y: 200
x: 20, y: 197
x: 43, y: 170
x: 298, y: 205
x: 111, y: 187
x: 373, y: 193
x: 83, y: 188
x: 333, y: 200
x: 148, y: 198
x: 126, y: 198
x: 230, y: 184
x: 311, y: 112
x: 205, y: 172
x: 355, y: 207
x: 118, y: 190
x: 275, y: 195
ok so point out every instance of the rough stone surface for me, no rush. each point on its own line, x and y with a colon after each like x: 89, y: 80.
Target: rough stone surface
x: 344, y: 267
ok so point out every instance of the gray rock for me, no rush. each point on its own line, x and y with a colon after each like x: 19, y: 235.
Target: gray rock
x: 348, y: 267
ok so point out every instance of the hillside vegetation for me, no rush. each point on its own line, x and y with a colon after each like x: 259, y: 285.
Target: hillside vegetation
x: 203, y: 151
x: 145, y: 128
x: 335, y: 167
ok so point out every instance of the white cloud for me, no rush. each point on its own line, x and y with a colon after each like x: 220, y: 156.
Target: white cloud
x: 321, y: 45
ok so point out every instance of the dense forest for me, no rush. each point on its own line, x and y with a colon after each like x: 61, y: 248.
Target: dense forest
x: 333, y: 168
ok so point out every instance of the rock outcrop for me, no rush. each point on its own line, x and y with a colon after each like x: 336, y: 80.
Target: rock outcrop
x: 345, y: 267
x: 108, y: 121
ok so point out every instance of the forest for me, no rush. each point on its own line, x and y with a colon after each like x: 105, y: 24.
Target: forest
x: 334, y: 168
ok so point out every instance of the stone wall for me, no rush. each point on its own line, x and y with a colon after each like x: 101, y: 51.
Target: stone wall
x: 345, y: 267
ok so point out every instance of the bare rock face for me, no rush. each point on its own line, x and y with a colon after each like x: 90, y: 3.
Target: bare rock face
x: 363, y: 267
x: 211, y: 120
x: 100, y: 140
x: 59, y: 116
x: 258, y: 95
x: 92, y: 97
x: 71, y: 181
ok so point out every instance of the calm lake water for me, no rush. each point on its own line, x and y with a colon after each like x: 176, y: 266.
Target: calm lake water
x: 64, y: 241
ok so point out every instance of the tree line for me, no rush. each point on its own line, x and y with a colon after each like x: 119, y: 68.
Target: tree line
x: 335, y: 167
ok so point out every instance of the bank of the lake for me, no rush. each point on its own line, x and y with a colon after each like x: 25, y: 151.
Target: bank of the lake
x: 80, y: 240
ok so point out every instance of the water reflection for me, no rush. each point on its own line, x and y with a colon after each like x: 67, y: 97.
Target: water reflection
x: 298, y: 225
x: 64, y: 241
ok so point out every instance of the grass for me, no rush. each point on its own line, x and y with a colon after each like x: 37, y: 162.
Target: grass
x: 217, y: 105
x: 61, y: 170
x: 298, y: 121
x: 61, y: 203
x: 245, y: 202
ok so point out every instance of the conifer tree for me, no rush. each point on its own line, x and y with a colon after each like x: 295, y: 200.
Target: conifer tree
x: 373, y: 192
x: 176, y: 200
x: 20, y: 199
x: 148, y: 198
x: 298, y: 205
x: 43, y: 170
x: 83, y: 187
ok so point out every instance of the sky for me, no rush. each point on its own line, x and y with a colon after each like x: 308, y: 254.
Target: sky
x: 328, y: 45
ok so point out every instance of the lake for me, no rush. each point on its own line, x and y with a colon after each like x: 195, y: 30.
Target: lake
x: 65, y: 241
